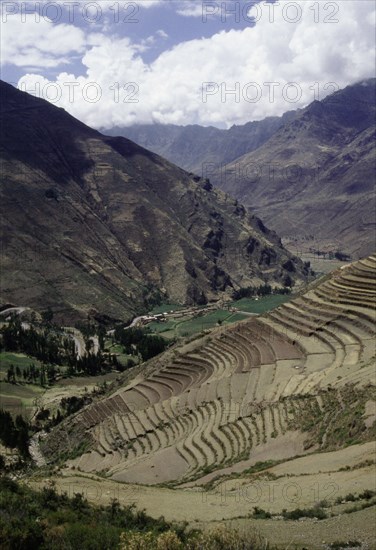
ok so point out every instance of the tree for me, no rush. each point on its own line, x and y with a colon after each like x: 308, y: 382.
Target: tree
x: 47, y: 316
x: 11, y: 374
x: 101, y: 337
x: 341, y: 256
x: 89, y: 344
x: 42, y: 376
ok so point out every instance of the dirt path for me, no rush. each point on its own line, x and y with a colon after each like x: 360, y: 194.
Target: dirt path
x: 34, y: 449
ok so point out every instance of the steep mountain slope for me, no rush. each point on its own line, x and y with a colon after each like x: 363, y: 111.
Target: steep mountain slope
x: 201, y: 149
x: 303, y: 373
x: 94, y: 225
x: 316, y: 175
x: 309, y: 173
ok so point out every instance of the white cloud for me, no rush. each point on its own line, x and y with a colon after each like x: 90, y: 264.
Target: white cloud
x: 310, y: 54
x: 105, y: 5
x: 190, y: 9
x: 39, y: 43
x: 151, y: 40
x: 162, y: 34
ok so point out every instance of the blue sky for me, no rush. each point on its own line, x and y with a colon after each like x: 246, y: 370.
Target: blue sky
x: 168, y: 21
x: 185, y: 61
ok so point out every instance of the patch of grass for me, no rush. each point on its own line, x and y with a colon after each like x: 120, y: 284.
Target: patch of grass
x: 19, y: 398
x: 20, y: 360
x: 207, y: 469
x: 341, y: 420
x: 262, y: 305
x: 239, y: 316
x: 259, y: 466
x: 255, y: 469
x: 363, y: 506
x: 201, y: 323
x: 166, y: 328
x: 79, y: 450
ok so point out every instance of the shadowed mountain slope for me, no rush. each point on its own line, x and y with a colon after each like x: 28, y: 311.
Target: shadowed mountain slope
x: 95, y: 225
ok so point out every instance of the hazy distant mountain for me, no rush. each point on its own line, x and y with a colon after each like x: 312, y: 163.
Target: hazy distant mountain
x: 95, y: 225
x: 308, y: 173
x: 316, y: 175
x: 199, y: 149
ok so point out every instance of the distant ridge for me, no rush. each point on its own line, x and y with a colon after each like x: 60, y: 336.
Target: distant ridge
x: 197, y: 148
x: 310, y: 173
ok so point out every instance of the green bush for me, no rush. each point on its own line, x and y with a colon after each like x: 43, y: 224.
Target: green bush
x: 49, y: 520
x: 259, y: 513
x: 315, y: 512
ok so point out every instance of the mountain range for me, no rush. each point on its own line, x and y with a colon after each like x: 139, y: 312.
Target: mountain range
x: 309, y: 174
x: 98, y: 226
x: 199, y: 149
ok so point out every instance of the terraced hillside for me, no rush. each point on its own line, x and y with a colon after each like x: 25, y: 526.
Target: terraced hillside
x: 296, y: 380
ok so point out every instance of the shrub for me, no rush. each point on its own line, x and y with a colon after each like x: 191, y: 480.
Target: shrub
x: 338, y: 545
x: 220, y: 538
x: 367, y: 494
x: 259, y: 513
x: 315, y: 512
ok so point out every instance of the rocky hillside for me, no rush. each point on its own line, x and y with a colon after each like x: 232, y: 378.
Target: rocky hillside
x: 308, y: 174
x: 96, y: 225
x: 316, y: 175
x: 202, y: 149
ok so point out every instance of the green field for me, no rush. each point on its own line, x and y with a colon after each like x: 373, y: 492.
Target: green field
x: 262, y: 305
x: 20, y: 360
x: 192, y: 325
x: 188, y: 326
x: 164, y: 328
x: 19, y: 398
x: 118, y: 350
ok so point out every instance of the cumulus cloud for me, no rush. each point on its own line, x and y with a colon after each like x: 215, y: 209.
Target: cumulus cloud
x: 33, y: 43
x: 231, y: 77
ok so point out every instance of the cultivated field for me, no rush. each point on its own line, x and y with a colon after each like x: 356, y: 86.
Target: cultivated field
x: 202, y: 425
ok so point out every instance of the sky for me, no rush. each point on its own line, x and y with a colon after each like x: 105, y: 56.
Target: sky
x: 118, y: 63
